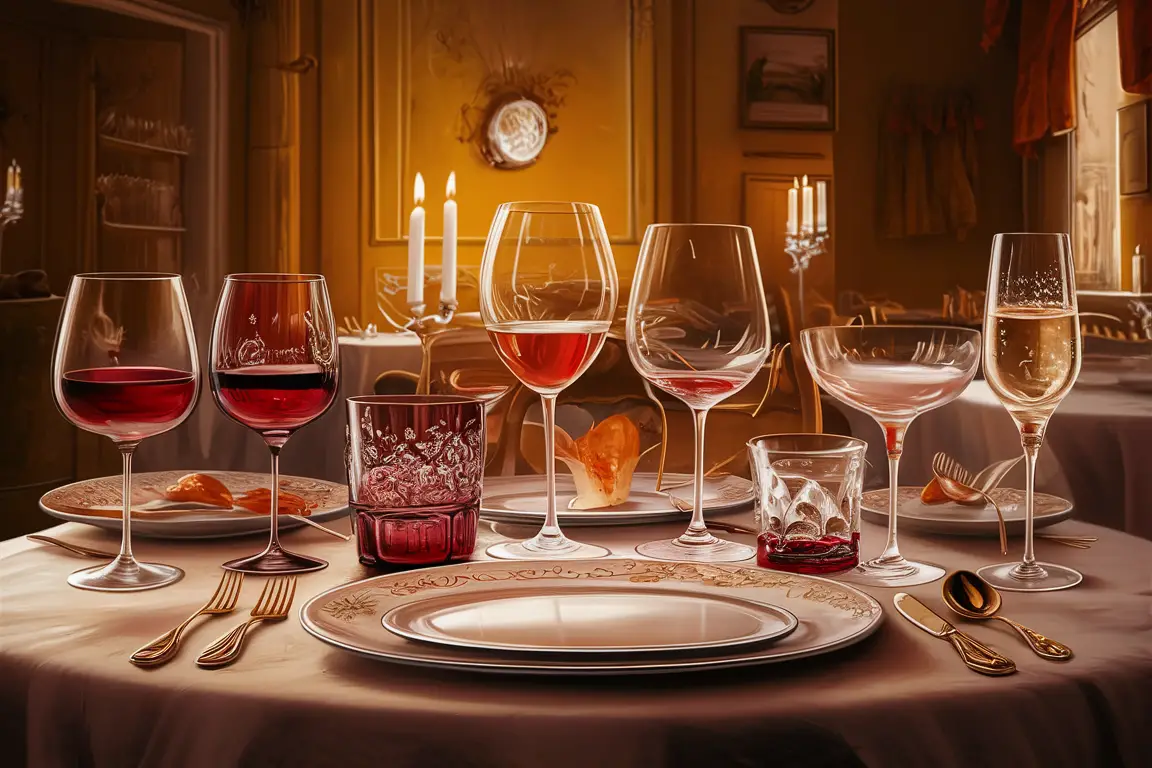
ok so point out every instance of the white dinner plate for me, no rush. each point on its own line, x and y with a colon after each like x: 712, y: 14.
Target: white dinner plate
x: 520, y: 499
x: 961, y: 520
x: 830, y: 615
x: 574, y: 617
x: 98, y: 502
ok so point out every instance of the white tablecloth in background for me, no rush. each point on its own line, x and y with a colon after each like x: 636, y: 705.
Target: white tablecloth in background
x: 1095, y: 451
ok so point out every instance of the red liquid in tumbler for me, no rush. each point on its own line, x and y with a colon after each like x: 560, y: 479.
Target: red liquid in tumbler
x: 422, y: 536
x: 824, y: 555
x: 275, y: 397
x: 548, y: 355
x: 127, y: 402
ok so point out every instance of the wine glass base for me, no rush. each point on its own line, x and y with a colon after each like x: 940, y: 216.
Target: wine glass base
x: 1051, y: 579
x: 125, y: 575
x: 673, y: 550
x: 276, y: 561
x: 531, y: 550
x: 903, y: 573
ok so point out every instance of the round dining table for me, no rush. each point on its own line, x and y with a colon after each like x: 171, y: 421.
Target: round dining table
x: 899, y: 698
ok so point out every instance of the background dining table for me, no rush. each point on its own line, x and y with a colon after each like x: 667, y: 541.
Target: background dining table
x: 1095, y: 452
x: 900, y: 698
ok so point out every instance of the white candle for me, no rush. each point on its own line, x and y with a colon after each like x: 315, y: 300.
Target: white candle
x: 821, y: 206
x: 19, y: 184
x: 10, y: 186
x: 792, y: 225
x: 416, y: 246
x: 806, y: 219
x: 448, y: 260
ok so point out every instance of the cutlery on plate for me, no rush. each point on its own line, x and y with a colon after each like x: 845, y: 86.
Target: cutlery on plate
x: 973, y: 598
x: 319, y: 527
x: 975, y: 654
x: 958, y: 484
x: 223, y: 600
x: 76, y: 549
x: 718, y: 525
x: 273, y: 605
x: 1079, y: 542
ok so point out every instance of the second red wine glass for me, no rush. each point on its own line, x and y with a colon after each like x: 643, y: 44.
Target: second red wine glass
x: 275, y: 368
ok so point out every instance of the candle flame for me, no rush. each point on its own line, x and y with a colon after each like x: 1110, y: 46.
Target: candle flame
x: 796, y: 182
x: 805, y: 179
x: 450, y: 187
x: 418, y: 190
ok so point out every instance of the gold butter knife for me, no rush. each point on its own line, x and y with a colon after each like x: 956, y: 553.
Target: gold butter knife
x: 975, y: 654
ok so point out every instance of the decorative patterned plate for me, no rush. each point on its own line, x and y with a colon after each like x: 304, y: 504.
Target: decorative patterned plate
x: 520, y: 499
x: 960, y: 520
x: 575, y: 617
x: 97, y: 502
x: 831, y: 615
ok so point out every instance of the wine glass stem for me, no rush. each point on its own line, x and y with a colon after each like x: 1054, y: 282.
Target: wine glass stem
x: 274, y: 511
x: 894, y: 440
x: 697, y: 527
x: 126, y: 451
x: 1031, y: 444
x: 551, y: 531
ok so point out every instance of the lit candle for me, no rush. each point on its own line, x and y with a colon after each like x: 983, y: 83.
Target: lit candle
x: 806, y: 220
x: 821, y: 206
x: 792, y: 193
x: 416, y: 246
x: 448, y: 261
x: 10, y: 186
x: 19, y: 183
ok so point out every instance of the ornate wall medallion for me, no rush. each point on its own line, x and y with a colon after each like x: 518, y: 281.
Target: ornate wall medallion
x: 517, y: 131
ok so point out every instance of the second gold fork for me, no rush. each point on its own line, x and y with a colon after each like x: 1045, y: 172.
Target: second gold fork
x: 223, y: 600
x: 273, y: 605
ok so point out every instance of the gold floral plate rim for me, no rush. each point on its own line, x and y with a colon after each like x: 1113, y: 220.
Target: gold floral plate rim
x: 722, y: 494
x: 331, y: 499
x: 1049, y: 511
x: 831, y: 615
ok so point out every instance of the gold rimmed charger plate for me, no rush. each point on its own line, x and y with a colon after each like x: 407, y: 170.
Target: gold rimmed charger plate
x: 963, y: 520
x: 830, y: 615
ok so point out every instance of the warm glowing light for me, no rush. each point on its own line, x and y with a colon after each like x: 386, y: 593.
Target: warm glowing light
x: 418, y: 191
x: 796, y: 182
x: 450, y: 187
x: 805, y: 181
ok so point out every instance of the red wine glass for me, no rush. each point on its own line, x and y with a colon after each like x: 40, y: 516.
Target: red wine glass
x: 547, y: 296
x: 697, y: 328
x: 275, y: 367
x: 125, y: 366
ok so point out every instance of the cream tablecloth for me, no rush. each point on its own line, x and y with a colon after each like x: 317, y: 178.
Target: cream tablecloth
x: 69, y: 696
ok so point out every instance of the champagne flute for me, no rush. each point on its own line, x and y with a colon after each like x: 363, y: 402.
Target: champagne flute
x: 893, y: 373
x: 547, y: 297
x: 125, y: 366
x: 1031, y: 361
x: 275, y: 367
x: 697, y: 328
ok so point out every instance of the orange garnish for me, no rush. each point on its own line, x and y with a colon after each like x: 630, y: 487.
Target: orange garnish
x: 200, y: 489
x: 259, y: 500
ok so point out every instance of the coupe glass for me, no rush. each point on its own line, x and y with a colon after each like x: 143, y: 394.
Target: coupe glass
x: 1031, y: 361
x: 275, y: 366
x: 697, y: 329
x: 893, y: 373
x: 547, y: 296
x: 125, y: 366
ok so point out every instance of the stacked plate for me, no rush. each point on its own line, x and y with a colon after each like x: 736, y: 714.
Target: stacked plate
x: 591, y: 617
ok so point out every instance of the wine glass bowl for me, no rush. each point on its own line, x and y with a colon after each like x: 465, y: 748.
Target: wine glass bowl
x: 274, y: 369
x: 697, y: 329
x: 1032, y: 357
x: 893, y: 373
x: 125, y: 367
x: 548, y: 291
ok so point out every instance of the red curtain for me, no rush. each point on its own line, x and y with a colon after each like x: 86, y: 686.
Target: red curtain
x: 1134, y: 20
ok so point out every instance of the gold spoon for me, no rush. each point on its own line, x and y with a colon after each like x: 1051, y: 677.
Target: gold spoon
x: 973, y: 598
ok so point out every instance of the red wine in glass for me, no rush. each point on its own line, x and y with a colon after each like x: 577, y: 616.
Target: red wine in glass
x: 699, y: 390
x: 127, y: 402
x: 548, y: 355
x: 275, y: 398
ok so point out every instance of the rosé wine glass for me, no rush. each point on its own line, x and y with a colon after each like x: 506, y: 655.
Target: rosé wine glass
x: 275, y: 366
x: 893, y: 373
x: 547, y: 296
x: 697, y: 328
x: 125, y: 366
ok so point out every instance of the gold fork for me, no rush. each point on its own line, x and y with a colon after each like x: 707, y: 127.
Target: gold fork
x: 275, y: 600
x: 223, y: 600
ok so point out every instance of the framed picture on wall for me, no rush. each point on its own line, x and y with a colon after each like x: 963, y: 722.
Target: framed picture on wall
x: 788, y: 78
x: 1132, y: 132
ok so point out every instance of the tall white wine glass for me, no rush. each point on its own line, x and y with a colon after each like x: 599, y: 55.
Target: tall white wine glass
x: 548, y: 290
x: 1031, y: 361
x: 125, y: 366
x: 697, y: 329
x: 893, y: 373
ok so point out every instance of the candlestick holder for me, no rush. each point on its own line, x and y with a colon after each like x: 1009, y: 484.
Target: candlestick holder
x: 13, y: 208
x: 802, y: 247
